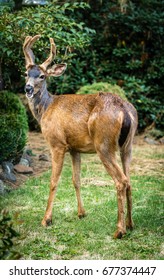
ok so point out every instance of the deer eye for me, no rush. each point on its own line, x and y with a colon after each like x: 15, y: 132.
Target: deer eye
x: 42, y: 77
x: 26, y: 74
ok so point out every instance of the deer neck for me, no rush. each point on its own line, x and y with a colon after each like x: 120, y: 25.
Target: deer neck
x: 40, y: 102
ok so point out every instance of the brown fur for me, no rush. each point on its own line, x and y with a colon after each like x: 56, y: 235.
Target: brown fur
x: 84, y: 124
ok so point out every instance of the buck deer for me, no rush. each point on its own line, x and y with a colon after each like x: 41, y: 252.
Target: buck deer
x: 101, y: 123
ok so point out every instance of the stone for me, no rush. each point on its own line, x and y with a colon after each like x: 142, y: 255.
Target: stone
x: 24, y: 161
x: 161, y: 140
x: 43, y: 157
x: 23, y: 169
x: 7, y: 174
x: 150, y: 141
x: 26, y: 158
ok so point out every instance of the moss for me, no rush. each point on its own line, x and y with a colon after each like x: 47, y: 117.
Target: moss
x: 13, y: 126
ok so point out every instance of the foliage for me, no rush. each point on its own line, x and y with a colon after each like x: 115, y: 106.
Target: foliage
x: 8, y: 3
x: 155, y: 133
x: 13, y: 126
x: 105, y: 87
x: 8, y: 238
x: 53, y: 21
x: 150, y: 111
x: 128, y: 44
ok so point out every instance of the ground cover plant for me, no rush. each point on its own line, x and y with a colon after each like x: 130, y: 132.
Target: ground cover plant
x: 92, y: 237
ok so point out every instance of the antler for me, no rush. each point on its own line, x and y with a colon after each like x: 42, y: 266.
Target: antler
x: 29, y: 56
x: 48, y: 61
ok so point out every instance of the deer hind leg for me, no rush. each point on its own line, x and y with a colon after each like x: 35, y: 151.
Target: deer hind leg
x: 109, y: 161
x: 76, y: 164
x: 126, y: 159
x: 57, y: 164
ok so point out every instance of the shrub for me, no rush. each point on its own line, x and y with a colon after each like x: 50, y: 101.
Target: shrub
x: 105, y: 87
x: 128, y: 43
x: 150, y: 110
x: 53, y: 20
x: 13, y: 127
x: 8, y: 238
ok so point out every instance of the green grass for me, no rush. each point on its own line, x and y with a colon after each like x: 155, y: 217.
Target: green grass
x: 91, y: 237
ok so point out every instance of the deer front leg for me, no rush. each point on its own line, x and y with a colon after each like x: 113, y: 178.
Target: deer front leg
x: 57, y: 164
x: 76, y: 164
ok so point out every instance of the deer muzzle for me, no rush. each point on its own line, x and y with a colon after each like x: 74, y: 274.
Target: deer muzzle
x: 29, y: 90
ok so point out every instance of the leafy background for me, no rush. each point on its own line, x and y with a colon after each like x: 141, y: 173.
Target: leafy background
x: 107, y: 41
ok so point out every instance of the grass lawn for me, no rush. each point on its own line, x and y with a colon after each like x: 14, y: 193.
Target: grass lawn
x: 92, y: 237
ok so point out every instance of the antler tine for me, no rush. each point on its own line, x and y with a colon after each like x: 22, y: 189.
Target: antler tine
x: 45, y: 64
x: 29, y: 56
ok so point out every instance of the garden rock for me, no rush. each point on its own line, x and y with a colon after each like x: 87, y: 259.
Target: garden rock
x: 43, y: 157
x: 7, y: 174
x: 26, y: 158
x: 150, y: 141
x: 23, y: 169
x: 161, y: 140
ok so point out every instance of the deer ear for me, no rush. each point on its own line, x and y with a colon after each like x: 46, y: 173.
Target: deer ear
x: 57, y: 70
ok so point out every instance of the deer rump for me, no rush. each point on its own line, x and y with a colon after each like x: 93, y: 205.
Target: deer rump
x: 84, y: 122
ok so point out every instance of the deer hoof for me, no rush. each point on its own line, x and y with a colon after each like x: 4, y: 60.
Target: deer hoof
x: 130, y: 225
x: 47, y: 222
x: 119, y: 234
x: 82, y: 215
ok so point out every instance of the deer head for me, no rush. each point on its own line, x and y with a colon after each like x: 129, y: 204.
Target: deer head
x: 36, y: 74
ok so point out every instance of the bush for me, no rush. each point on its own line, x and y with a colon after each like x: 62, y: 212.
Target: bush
x: 150, y: 110
x: 105, y: 87
x: 53, y: 20
x: 128, y: 43
x: 13, y: 127
x: 8, y: 238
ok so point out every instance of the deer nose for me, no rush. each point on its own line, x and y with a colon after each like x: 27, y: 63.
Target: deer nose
x: 29, y: 91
